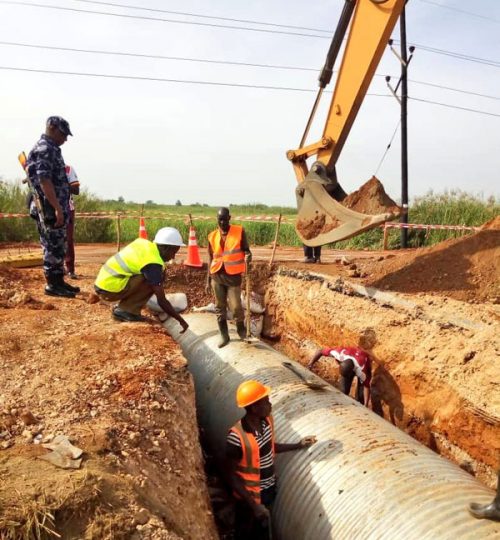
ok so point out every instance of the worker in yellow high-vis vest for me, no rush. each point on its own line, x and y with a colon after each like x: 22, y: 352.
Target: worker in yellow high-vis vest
x: 134, y: 274
x: 229, y: 255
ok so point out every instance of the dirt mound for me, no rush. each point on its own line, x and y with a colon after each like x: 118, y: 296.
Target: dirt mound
x: 466, y: 268
x: 120, y: 392
x: 492, y: 224
x: 371, y: 198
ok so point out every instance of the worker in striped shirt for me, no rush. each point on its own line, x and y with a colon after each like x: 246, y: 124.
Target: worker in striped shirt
x: 250, y: 454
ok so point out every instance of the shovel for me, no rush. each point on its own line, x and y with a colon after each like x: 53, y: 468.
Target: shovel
x: 313, y: 385
x: 248, y: 318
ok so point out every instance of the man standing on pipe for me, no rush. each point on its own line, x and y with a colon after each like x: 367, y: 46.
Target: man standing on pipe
x: 229, y: 255
x: 352, y: 361
x: 250, y: 461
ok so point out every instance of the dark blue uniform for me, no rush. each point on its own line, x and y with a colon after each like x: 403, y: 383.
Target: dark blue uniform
x: 45, y: 161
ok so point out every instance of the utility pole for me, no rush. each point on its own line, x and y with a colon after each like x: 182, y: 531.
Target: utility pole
x: 404, y: 129
x: 403, y: 101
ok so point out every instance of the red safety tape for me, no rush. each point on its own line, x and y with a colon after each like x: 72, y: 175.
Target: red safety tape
x: 107, y: 215
x: 268, y: 219
x: 388, y: 225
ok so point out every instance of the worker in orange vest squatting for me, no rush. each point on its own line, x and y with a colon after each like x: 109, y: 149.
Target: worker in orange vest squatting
x: 229, y: 255
x: 250, y: 451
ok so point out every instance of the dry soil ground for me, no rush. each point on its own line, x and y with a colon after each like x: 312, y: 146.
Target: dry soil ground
x: 121, y: 391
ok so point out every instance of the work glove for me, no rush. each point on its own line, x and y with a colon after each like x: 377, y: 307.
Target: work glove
x: 248, y: 258
x: 207, y: 286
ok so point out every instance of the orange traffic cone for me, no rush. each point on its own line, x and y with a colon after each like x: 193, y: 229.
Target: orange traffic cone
x: 142, y: 229
x: 193, y: 253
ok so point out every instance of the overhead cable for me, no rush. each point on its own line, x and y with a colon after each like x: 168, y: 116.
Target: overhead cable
x: 202, y: 16
x: 387, y: 148
x: 453, y: 106
x: 221, y: 62
x: 458, y: 10
x: 213, y: 83
x: 159, y: 79
x: 434, y: 50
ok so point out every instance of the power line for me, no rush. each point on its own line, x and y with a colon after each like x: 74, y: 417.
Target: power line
x: 454, y: 106
x: 388, y: 146
x: 452, y: 8
x: 246, y: 21
x: 434, y: 50
x: 158, y: 56
x: 212, y: 83
x: 459, y: 56
x: 451, y: 89
x: 221, y: 62
x: 174, y: 21
x: 159, y: 79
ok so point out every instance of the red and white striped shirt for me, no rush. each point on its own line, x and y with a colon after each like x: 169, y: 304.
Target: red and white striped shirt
x: 360, y: 359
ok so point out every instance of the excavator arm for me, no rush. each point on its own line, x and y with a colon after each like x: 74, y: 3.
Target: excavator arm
x: 321, y: 216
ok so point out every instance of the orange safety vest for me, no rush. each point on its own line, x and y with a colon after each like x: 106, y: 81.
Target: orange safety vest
x: 248, y: 468
x: 231, y: 256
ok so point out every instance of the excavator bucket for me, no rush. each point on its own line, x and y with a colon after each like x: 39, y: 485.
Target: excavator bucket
x: 323, y: 220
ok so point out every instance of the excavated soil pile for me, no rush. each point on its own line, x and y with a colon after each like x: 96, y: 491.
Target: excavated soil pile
x: 466, y: 268
x: 121, y: 393
x: 371, y: 198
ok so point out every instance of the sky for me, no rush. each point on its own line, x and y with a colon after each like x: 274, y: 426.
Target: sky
x: 221, y: 144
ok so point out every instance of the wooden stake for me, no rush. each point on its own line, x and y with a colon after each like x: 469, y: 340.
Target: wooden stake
x: 118, y: 231
x: 275, y: 240
x: 386, y: 237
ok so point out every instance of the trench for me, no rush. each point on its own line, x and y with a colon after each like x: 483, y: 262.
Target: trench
x: 411, y: 389
x: 420, y: 382
x: 359, y: 461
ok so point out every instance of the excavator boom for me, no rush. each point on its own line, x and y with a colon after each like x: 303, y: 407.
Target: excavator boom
x: 321, y: 216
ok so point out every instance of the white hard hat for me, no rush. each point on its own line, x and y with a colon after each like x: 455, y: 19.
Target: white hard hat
x: 169, y: 236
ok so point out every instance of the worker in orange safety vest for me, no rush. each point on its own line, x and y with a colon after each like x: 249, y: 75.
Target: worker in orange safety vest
x: 250, y: 451
x: 229, y: 255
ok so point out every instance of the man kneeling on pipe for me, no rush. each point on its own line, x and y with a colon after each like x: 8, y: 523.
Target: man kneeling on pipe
x: 134, y: 274
x: 352, y: 361
x: 250, y: 461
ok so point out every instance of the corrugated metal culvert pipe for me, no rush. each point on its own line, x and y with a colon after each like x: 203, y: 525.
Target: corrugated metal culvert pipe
x: 363, y: 479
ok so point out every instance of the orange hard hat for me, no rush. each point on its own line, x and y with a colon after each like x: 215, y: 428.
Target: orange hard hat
x: 250, y: 392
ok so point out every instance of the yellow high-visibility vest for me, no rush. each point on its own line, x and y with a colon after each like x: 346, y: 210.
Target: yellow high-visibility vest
x: 118, y: 269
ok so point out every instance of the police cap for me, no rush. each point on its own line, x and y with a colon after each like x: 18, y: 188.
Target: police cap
x: 60, y: 123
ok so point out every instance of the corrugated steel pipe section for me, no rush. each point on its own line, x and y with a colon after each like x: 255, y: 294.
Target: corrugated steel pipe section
x: 363, y: 479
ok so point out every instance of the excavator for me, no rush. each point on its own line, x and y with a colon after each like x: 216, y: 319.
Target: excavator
x: 322, y: 218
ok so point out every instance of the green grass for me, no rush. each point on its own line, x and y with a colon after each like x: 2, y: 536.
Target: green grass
x: 450, y: 208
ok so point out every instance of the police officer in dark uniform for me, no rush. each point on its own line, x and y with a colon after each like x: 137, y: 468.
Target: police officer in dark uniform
x: 46, y: 171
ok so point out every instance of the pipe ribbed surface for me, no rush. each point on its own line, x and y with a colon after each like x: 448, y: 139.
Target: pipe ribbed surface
x: 363, y: 479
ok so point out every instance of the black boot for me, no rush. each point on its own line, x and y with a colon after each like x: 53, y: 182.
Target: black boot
x: 488, y: 511
x: 224, y: 332
x: 241, y: 329
x: 67, y: 286
x: 54, y: 288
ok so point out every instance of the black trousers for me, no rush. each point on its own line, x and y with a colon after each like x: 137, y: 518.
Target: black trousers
x: 247, y: 527
x: 345, y: 383
x: 312, y: 252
